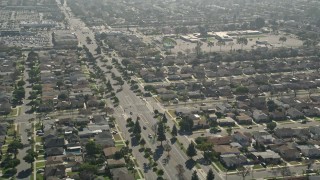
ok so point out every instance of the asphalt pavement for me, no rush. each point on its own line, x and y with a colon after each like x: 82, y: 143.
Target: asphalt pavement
x: 24, y: 168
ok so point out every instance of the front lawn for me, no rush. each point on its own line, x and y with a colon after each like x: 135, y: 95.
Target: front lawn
x: 40, y: 164
x: 39, y: 176
x: 172, y: 113
x: 220, y: 166
x: 294, y: 163
x: 120, y: 146
x: 117, y: 137
x: 257, y: 166
x: 38, y: 139
x: 11, y: 131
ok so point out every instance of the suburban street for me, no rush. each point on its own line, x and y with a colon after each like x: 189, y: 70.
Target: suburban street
x: 23, y: 169
x: 129, y: 102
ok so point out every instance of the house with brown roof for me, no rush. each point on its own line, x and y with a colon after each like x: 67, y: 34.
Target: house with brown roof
x: 109, y: 151
x: 244, y: 119
x: 121, y: 174
x: 223, y: 140
x: 114, y: 163
x: 289, y: 154
x: 226, y: 149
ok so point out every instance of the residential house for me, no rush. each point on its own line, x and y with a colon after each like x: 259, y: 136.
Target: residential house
x: 212, y: 117
x: 269, y: 157
x: 54, y: 151
x: 104, y: 139
x: 225, y: 149
x: 223, y: 140
x: 116, y: 163
x: 262, y: 137
x: 121, y: 174
x: 243, y: 139
x: 54, y: 142
x: 54, y: 161
x: 232, y: 161
x: 227, y: 121
x: 244, y: 119
x: 200, y: 124
x: 99, y: 120
x: 109, y: 152
x: 86, y: 133
x: 284, y: 132
x: 309, y: 151
x: 294, y: 113
x: 312, y: 112
x: 58, y: 171
x: 289, y: 154
x: 278, y: 115
x: 260, y: 117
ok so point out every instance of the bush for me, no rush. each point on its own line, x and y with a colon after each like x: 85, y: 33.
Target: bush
x: 160, y: 172
x: 146, y: 155
x: 154, y: 169
x: 155, y: 164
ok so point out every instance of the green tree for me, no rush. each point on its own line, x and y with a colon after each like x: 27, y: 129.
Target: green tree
x: 9, y: 162
x: 191, y: 150
x: 282, y: 39
x: 243, y: 41
x: 220, y: 44
x: 21, y: 83
x: 136, y: 128
x: 210, y: 175
x: 174, y: 131
x: 167, y: 148
x: 194, y: 175
x: 164, y: 119
x: 30, y: 157
x: 242, y: 90
x: 86, y: 167
x: 92, y: 148
x: 142, y: 142
x: 161, y: 134
x: 198, y: 48
x: 14, y: 146
x: 271, y: 126
x: 186, y: 124
x: 210, y: 45
x: 259, y: 23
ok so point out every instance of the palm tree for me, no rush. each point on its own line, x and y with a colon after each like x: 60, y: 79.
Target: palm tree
x: 198, y: 48
x: 231, y: 45
x: 210, y: 44
x: 242, y: 41
x: 220, y: 43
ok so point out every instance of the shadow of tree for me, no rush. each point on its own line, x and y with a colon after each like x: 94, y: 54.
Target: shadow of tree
x: 158, y: 153
x: 190, y: 163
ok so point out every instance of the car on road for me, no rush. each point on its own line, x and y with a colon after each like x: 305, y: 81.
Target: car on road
x: 40, y: 170
x: 149, y: 136
x: 263, y: 164
x: 249, y: 127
